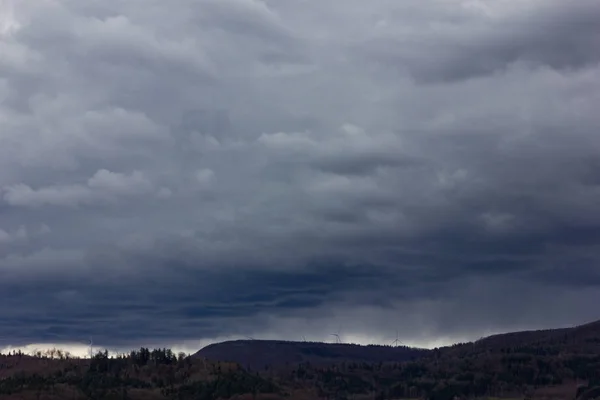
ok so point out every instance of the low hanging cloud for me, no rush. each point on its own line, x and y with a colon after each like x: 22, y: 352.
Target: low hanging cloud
x: 180, y: 174
x: 103, y: 186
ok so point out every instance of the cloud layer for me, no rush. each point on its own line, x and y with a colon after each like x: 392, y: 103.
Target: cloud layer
x: 237, y: 167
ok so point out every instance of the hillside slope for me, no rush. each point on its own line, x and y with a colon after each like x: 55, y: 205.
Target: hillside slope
x: 258, y: 354
x: 554, y: 364
x: 582, y: 339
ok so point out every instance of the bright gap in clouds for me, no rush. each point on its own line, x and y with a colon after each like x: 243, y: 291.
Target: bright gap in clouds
x: 8, y: 22
x: 192, y: 346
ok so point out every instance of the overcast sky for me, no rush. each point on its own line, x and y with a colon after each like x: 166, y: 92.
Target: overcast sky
x: 175, y: 173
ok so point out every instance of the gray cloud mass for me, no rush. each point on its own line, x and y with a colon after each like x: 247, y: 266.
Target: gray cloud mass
x: 210, y: 169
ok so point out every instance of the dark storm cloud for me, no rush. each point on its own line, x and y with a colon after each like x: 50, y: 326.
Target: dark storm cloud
x: 540, y: 35
x: 195, y: 302
x: 226, y: 168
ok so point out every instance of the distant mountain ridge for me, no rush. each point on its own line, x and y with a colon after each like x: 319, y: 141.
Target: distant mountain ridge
x: 579, y: 339
x: 258, y: 354
x: 551, y: 364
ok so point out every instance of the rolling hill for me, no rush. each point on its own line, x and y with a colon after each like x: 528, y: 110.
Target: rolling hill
x: 581, y: 339
x: 258, y: 354
x: 546, y: 364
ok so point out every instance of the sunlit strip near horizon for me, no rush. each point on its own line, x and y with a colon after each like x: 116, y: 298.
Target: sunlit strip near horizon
x: 82, y: 350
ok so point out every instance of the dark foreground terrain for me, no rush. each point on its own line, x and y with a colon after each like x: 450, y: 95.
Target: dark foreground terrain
x: 550, y: 364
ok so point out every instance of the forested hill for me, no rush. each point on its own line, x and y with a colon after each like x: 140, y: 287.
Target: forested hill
x: 550, y: 364
x: 258, y: 354
x: 581, y: 340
